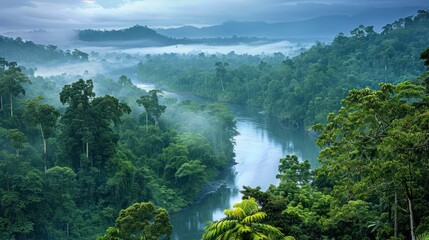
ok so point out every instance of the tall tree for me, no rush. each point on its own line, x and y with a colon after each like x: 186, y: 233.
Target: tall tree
x: 379, y: 141
x: 146, y: 102
x: 60, y: 192
x: 152, y: 107
x: 17, y: 139
x: 220, y: 68
x: 77, y: 119
x: 88, y: 123
x: 45, y: 116
x: 3, y: 64
x: 157, y: 109
x: 11, y: 82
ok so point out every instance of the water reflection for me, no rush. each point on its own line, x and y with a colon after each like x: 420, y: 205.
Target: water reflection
x: 189, y: 224
x: 260, y: 145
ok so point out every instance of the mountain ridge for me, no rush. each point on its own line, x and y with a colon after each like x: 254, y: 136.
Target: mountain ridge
x: 325, y: 27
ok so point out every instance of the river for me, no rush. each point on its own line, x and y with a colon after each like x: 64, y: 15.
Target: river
x: 259, y: 146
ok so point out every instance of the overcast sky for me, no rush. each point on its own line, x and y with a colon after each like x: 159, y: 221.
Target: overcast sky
x: 17, y: 15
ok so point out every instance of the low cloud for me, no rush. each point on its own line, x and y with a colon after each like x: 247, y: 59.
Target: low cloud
x: 79, y: 14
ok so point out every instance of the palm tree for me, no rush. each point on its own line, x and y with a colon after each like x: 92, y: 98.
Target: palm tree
x: 243, y: 222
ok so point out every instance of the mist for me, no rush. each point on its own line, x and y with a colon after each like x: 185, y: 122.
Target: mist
x: 285, y: 47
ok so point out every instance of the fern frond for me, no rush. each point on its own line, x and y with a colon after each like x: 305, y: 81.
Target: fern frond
x: 236, y: 213
x: 257, y: 217
x: 248, y: 205
x: 423, y: 236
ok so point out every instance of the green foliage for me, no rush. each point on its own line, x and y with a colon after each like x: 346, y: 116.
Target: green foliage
x: 242, y: 222
x: 21, y: 201
x: 30, y: 53
x: 423, y: 236
x: 152, y: 107
x: 17, y: 139
x: 11, y: 83
x: 97, y: 159
x: 87, y: 124
x: 129, y: 34
x: 301, y: 90
x: 140, y: 221
x: 372, y: 182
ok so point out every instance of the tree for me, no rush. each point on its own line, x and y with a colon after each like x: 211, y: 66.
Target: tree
x: 60, y: 192
x: 292, y: 170
x: 21, y: 201
x: 425, y: 76
x: 11, y: 82
x: 140, y: 221
x: 378, y: 141
x: 17, y: 139
x: 146, y: 102
x: 242, y: 222
x: 45, y: 116
x: 194, y: 175
x: 151, y: 106
x: 88, y: 123
x: 220, y: 68
x: 157, y: 109
x: 107, y: 113
x: 3, y: 64
x: 77, y: 119
x: 124, y: 81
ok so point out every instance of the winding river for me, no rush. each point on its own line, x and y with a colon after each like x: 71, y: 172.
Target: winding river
x: 259, y: 146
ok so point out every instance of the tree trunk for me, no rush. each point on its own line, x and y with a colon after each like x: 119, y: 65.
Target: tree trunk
x: 11, y: 106
x: 44, y: 147
x: 87, y: 150
x: 410, y: 207
x: 1, y: 102
x: 395, y: 216
x: 409, y: 195
x: 156, y: 121
x: 147, y: 120
x: 68, y: 230
x: 221, y: 83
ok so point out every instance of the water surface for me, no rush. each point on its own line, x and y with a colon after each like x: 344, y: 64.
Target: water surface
x: 260, y: 145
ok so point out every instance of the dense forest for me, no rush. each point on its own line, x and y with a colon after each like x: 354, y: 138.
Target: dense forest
x: 30, y: 53
x: 372, y: 183
x: 76, y: 153
x: 69, y: 164
x: 373, y: 180
x: 301, y: 90
x: 129, y: 34
x: 141, y: 36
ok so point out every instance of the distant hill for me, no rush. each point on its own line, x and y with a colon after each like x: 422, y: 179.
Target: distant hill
x: 137, y: 33
x: 29, y: 53
x: 325, y: 27
x: 142, y: 36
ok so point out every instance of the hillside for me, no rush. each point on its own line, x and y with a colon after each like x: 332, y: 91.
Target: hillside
x: 319, y: 28
x: 29, y: 53
x: 142, y: 34
x: 304, y: 89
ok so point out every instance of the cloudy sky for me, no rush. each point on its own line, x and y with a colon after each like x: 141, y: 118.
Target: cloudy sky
x: 18, y: 15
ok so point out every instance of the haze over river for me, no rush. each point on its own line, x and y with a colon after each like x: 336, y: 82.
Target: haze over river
x: 260, y: 145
